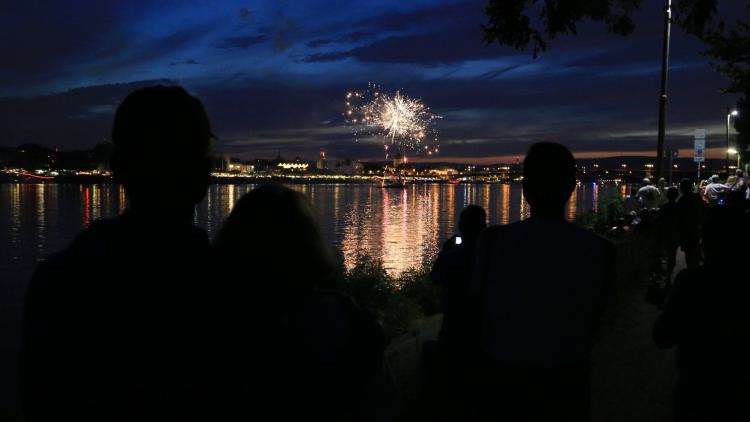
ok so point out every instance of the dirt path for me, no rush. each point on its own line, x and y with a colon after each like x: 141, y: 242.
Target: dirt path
x: 632, y: 380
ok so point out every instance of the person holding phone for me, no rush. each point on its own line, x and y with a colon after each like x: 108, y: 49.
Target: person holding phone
x: 453, y: 271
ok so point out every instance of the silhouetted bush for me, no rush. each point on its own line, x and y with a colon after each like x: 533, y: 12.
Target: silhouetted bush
x: 609, y: 220
x: 396, y: 301
x: 417, y: 286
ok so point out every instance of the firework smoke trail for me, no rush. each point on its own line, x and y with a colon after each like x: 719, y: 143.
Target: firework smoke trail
x: 403, y: 122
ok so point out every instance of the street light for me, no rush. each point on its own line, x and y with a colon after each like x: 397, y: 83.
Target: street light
x: 734, y: 151
x: 730, y: 113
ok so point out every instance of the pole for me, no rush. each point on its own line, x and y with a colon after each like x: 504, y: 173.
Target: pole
x: 729, y: 116
x: 663, y: 94
x: 671, y: 156
x: 699, y: 173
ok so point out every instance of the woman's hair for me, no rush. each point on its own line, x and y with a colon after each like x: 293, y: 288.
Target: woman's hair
x: 272, y: 232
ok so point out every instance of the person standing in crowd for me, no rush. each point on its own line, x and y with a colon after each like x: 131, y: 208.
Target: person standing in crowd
x: 740, y: 183
x: 707, y: 319
x: 714, y: 190
x: 452, y: 271
x: 120, y: 325
x: 661, y: 184
x: 298, y: 347
x: 648, y: 196
x: 691, y: 210
x: 668, y: 224
x: 536, y: 312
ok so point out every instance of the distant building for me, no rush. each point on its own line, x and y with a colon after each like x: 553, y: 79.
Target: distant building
x: 298, y: 166
x: 220, y: 162
x: 321, y: 164
x: 241, y: 168
x: 349, y: 168
x: 399, y: 160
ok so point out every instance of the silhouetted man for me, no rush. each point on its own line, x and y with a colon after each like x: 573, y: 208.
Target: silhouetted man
x: 691, y: 210
x: 668, y: 226
x: 452, y: 271
x: 715, y: 190
x: 540, y: 288
x: 116, y: 325
x: 649, y: 195
x: 740, y: 184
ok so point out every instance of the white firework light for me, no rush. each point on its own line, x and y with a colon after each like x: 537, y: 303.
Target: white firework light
x: 402, y: 122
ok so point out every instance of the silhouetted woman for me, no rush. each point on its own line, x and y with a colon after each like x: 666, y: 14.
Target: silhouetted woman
x: 298, y: 349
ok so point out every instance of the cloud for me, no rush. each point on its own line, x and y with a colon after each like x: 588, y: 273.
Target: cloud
x: 74, y: 119
x: 187, y: 61
x: 243, y: 42
x: 350, y: 37
x: 463, y: 13
x: 434, y: 48
x: 39, y: 40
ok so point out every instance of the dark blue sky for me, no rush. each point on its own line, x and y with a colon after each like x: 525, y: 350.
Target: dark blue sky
x: 274, y: 74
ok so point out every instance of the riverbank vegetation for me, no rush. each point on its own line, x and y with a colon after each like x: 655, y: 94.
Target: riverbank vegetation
x: 397, y: 301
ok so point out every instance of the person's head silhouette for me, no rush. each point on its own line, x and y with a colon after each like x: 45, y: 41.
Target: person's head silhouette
x: 672, y: 194
x: 549, y: 178
x: 274, y: 233
x: 686, y: 186
x: 472, y: 221
x: 162, y: 140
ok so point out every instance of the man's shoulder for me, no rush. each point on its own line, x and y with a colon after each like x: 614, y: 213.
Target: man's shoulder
x: 531, y: 227
x: 84, y: 251
x: 588, y: 236
x: 504, y: 230
x: 107, y: 240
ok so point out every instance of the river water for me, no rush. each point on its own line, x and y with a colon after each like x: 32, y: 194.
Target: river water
x: 402, y: 227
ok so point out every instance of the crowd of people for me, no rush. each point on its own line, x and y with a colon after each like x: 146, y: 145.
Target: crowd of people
x: 142, y: 318
x: 703, y: 309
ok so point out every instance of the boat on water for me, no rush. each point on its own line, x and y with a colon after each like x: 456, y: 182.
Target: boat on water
x: 393, y: 182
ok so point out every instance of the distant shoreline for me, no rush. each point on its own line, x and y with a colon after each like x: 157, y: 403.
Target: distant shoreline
x: 93, y: 179
x: 88, y: 180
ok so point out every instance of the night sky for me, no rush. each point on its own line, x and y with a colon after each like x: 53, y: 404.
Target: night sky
x: 274, y: 74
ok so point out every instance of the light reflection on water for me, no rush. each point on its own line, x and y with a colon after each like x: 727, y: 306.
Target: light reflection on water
x: 403, y: 227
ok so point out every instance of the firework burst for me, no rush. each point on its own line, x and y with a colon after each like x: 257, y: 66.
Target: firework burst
x: 400, y: 121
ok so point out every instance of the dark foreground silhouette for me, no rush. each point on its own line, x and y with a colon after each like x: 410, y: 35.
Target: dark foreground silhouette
x: 448, y: 383
x: 298, y: 349
x: 668, y: 227
x: 540, y: 286
x: 691, y: 212
x: 119, y: 326
x: 707, y: 319
x: 452, y: 271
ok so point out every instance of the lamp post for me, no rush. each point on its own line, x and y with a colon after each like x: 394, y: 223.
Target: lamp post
x: 663, y: 92
x: 730, y: 113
